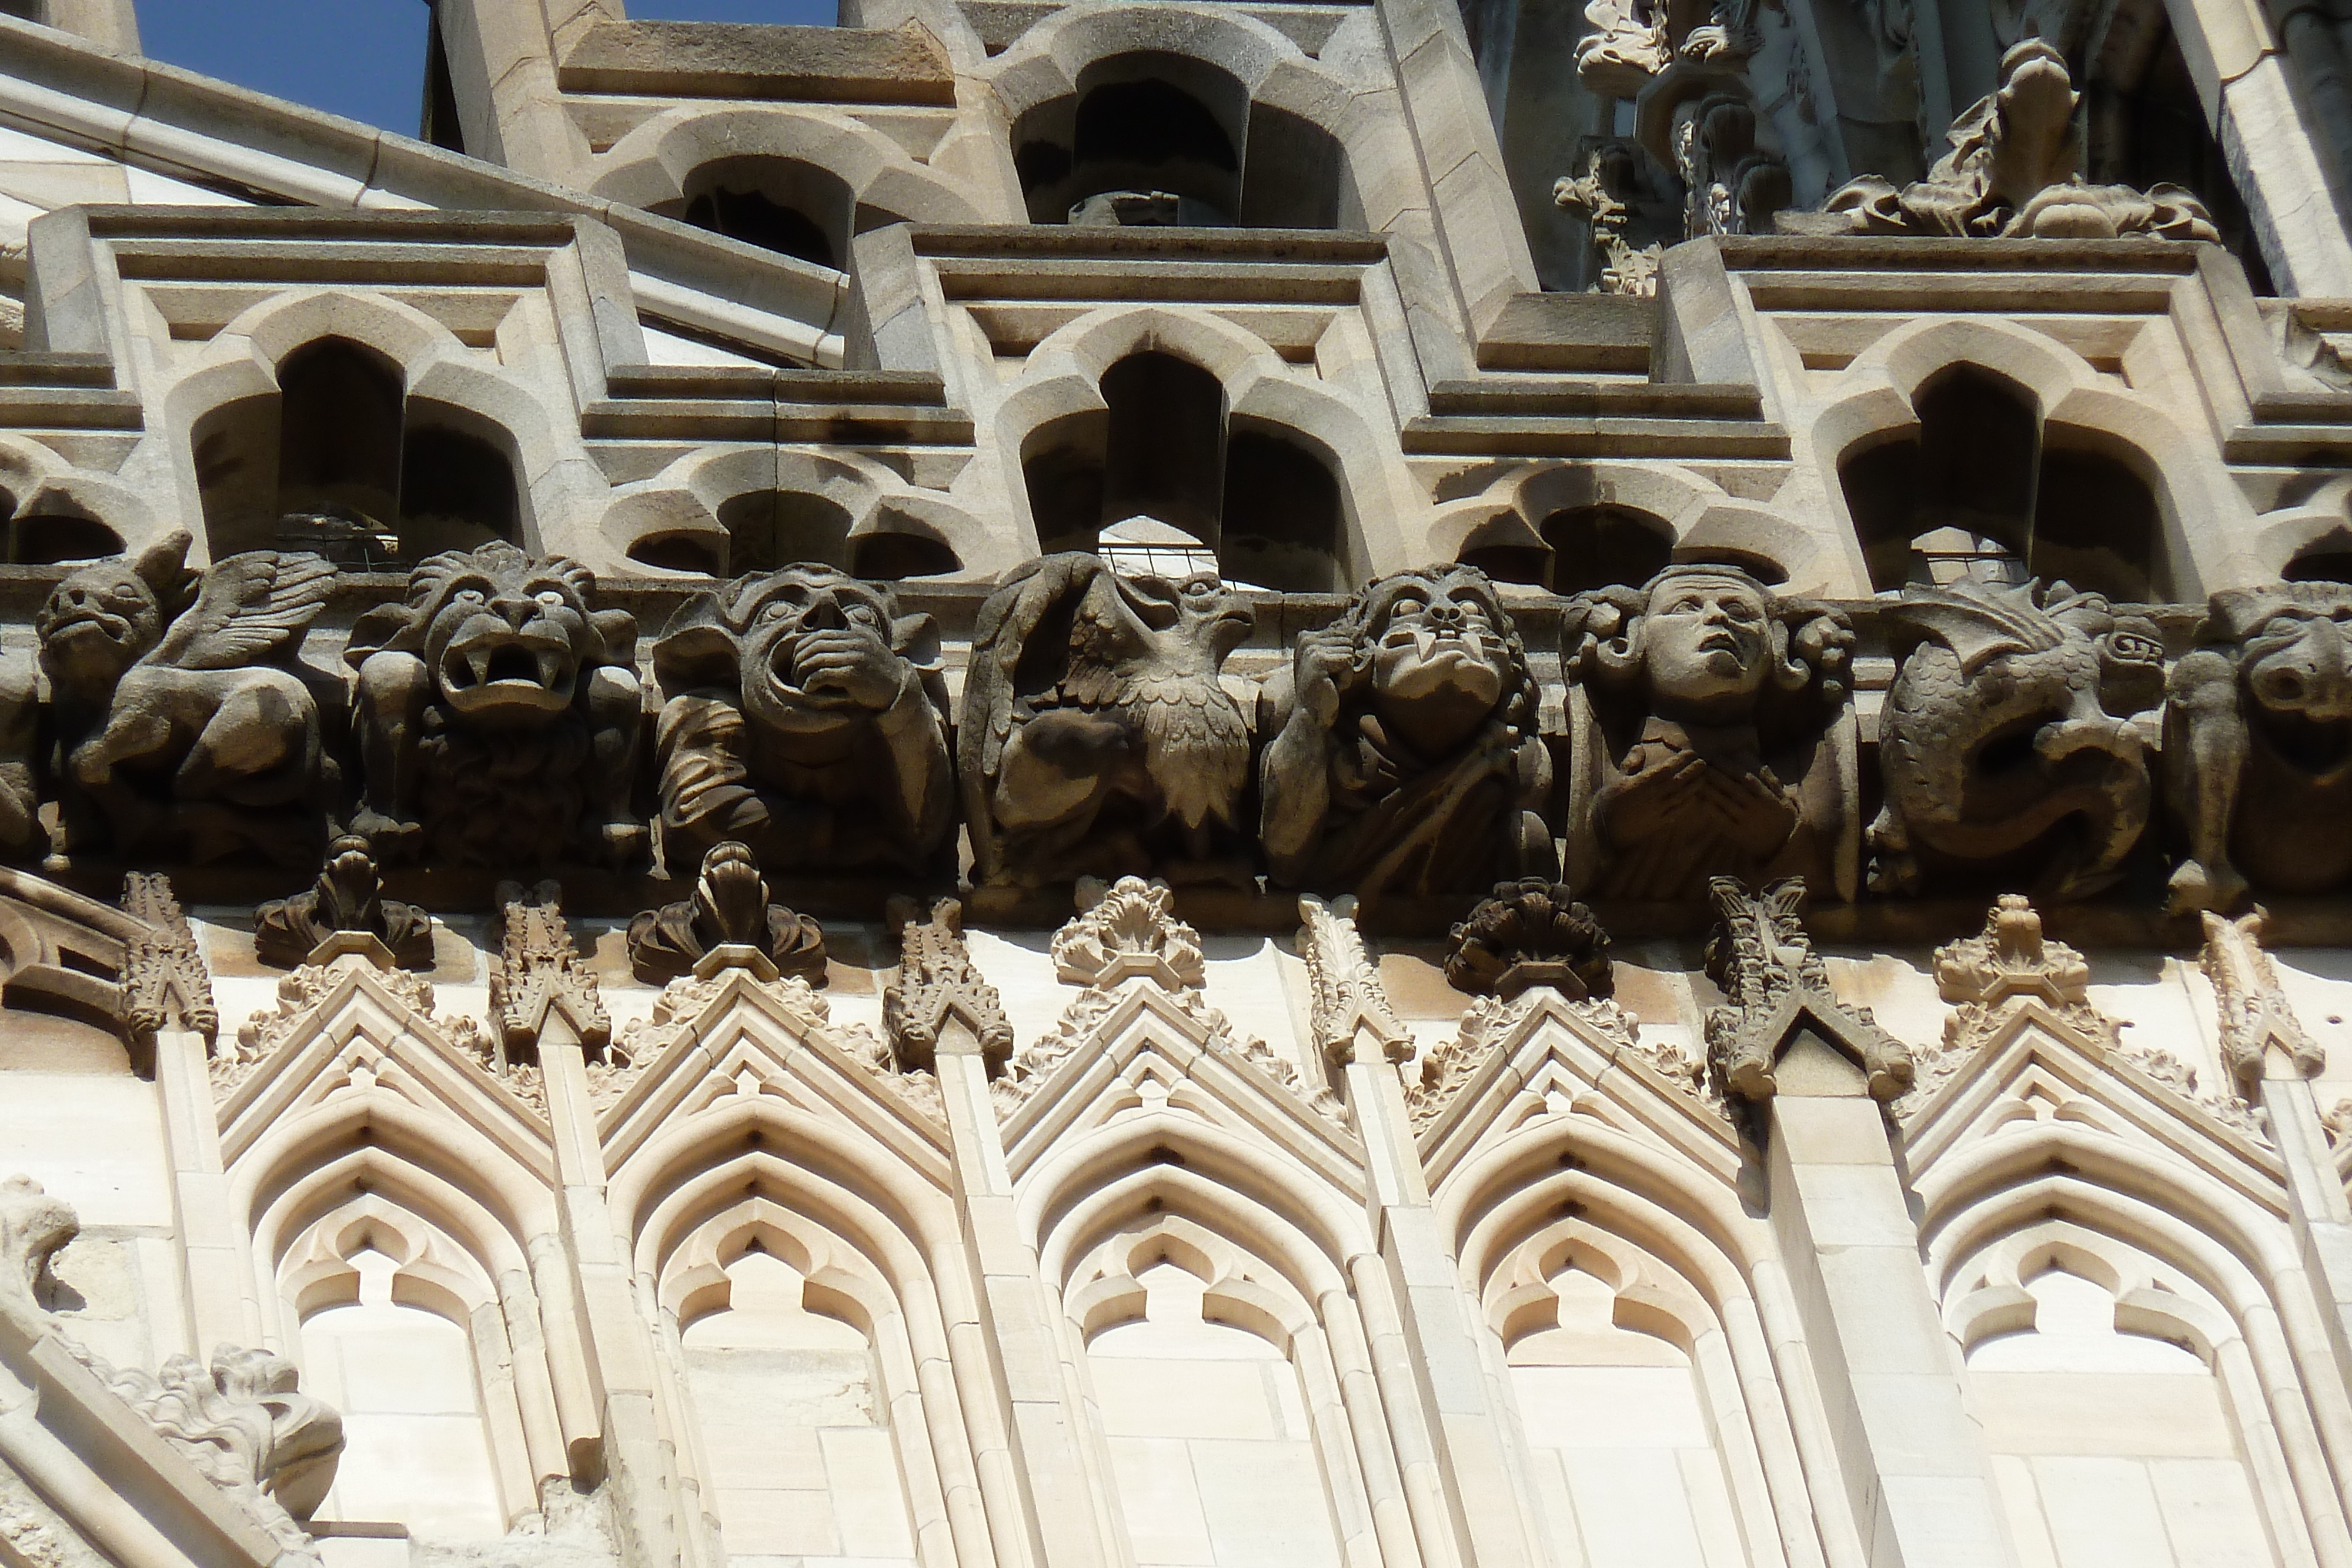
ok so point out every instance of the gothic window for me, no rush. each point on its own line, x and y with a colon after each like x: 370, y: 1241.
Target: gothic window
x: 1583, y: 548
x: 417, y: 1451
x: 1213, y: 1454
x: 1153, y: 138
x: 794, y: 1426
x: 1976, y: 489
x: 46, y: 538
x: 342, y: 462
x: 1164, y: 448
x: 2108, y: 1445
x: 1624, y: 1458
x: 777, y: 203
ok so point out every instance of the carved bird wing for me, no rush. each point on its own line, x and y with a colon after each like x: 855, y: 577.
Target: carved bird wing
x: 249, y: 609
x: 1978, y: 622
x: 1072, y: 600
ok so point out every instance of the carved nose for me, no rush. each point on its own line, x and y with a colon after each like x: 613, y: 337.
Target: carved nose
x: 516, y: 611
x: 824, y: 615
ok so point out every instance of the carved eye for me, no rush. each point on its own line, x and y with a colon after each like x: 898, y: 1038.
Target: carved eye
x: 471, y: 596
x: 551, y: 598
x: 864, y: 616
x: 1196, y: 589
x: 1742, y: 610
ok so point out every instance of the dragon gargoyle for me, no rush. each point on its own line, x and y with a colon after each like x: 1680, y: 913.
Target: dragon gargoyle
x: 184, y: 724
x: 2007, y: 739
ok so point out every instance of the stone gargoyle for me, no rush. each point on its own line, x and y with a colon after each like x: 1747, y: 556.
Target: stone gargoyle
x: 185, y: 726
x: 2014, y: 171
x: 2258, y: 747
x: 1405, y: 756
x: 1710, y: 737
x: 2006, y: 741
x: 1097, y: 739
x: 807, y: 718
x: 498, y: 715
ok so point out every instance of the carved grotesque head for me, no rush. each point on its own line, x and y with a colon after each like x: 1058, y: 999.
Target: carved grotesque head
x: 507, y: 636
x: 2295, y: 660
x: 2131, y: 649
x: 795, y: 643
x: 1209, y: 614
x: 1708, y: 643
x: 103, y: 618
x: 1443, y: 654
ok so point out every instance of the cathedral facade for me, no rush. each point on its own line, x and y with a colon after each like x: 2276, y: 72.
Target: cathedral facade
x: 1183, y: 784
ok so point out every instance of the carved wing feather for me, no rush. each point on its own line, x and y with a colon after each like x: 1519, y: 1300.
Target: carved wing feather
x: 249, y: 609
x: 1978, y: 623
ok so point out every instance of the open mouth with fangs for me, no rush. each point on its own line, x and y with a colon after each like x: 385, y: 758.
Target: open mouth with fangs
x: 498, y: 668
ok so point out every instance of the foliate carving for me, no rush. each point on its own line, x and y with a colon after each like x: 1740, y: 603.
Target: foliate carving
x: 1623, y: 209
x: 304, y: 989
x: 1530, y: 932
x: 499, y: 714
x: 1982, y: 976
x: 187, y: 728
x: 165, y: 982
x: 1346, y: 999
x: 2258, y: 747
x: 538, y: 976
x: 1096, y: 738
x: 1447, y: 1067
x: 1127, y: 930
x: 1988, y: 666
x: 1763, y: 960
x: 1630, y: 42
x: 1406, y: 758
x: 348, y: 896
x: 1709, y: 749
x: 937, y: 984
x: 730, y: 910
x: 2015, y: 172
x: 246, y: 1425
x: 2256, y: 1017
x: 806, y: 719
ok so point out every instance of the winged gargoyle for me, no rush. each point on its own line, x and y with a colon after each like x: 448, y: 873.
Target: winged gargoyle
x: 1096, y: 738
x: 2007, y: 739
x: 184, y: 724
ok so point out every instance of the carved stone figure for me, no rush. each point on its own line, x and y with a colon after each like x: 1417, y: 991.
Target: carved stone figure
x: 807, y: 719
x: 1630, y: 42
x: 1779, y: 989
x: 2258, y: 747
x: 184, y: 727
x: 348, y: 896
x: 2015, y: 172
x: 1710, y: 737
x: 498, y: 715
x: 729, y: 909
x: 1096, y: 738
x: 936, y: 985
x: 1405, y: 757
x: 2007, y: 740
x: 1530, y: 932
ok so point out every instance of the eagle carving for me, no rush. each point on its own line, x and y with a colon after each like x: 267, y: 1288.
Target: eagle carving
x: 1095, y: 738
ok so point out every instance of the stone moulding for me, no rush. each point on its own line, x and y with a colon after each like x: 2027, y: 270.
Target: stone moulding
x: 1779, y: 989
x: 538, y: 977
x: 2255, y: 1016
x: 165, y: 982
x: 1350, y: 1008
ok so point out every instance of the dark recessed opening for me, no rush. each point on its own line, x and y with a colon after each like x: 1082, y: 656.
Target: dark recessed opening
x: 48, y: 540
x: 894, y: 557
x: 694, y: 552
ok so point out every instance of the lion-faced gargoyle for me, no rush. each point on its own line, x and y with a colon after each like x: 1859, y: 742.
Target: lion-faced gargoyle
x: 498, y: 715
x: 2007, y: 740
x: 185, y: 725
x: 806, y: 719
x: 2258, y: 747
x: 1096, y: 738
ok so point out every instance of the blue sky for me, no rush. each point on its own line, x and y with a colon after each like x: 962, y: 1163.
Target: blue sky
x: 364, y: 58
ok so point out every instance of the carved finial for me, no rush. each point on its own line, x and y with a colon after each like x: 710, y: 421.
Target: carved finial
x: 347, y: 898
x: 937, y: 984
x: 538, y: 976
x: 1125, y: 930
x: 165, y: 982
x: 1348, y: 999
x: 244, y: 1425
x: 1778, y: 988
x: 728, y: 924
x: 32, y: 1225
x: 1530, y: 932
x: 1982, y: 975
x: 2255, y: 1016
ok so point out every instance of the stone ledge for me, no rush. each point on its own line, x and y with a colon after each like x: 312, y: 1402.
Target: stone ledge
x: 736, y: 60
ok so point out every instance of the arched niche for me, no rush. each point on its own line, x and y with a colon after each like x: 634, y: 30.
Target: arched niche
x: 1156, y: 121
x: 40, y: 533
x: 1165, y: 446
x: 1582, y: 547
x: 2327, y: 558
x: 1976, y: 489
x: 340, y: 460
x: 778, y: 203
x: 769, y: 529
